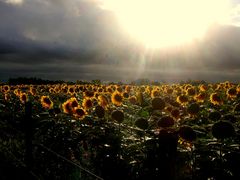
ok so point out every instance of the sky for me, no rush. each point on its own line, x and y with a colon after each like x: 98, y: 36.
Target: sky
x: 80, y: 40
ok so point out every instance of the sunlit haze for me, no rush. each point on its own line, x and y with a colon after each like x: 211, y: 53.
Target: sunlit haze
x: 158, y: 23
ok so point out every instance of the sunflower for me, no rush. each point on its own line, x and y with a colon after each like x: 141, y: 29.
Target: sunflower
x: 100, y: 89
x: 100, y: 111
x: 117, y: 98
x: 74, y: 102
x: 117, y: 116
x: 215, y: 99
x: 7, y: 96
x: 79, y: 113
x: 89, y: 94
x: 158, y: 103
x: 33, y: 91
x: 128, y: 88
x: 169, y: 91
x: 232, y: 93
x: 46, y: 102
x: 193, y: 109
x: 17, y: 92
x: 191, y: 91
x: 109, y: 89
x: 125, y: 95
x: 23, y: 98
x: 155, y: 93
x: 67, y: 108
x: 119, y: 89
x: 140, y: 98
x: 51, y: 90
x: 200, y: 97
x: 175, y: 113
x: 103, y: 101
x: 182, y: 99
x: 203, y: 87
x: 6, y: 88
x: 71, y: 90
x: 87, y: 103
x: 133, y: 100
x: 57, y: 89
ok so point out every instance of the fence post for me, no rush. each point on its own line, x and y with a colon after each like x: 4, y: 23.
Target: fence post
x: 28, y: 125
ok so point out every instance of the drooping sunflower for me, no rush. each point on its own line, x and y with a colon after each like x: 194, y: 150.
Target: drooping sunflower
x: 215, y: 99
x: 46, y: 102
x: 117, y: 98
x: 175, y: 113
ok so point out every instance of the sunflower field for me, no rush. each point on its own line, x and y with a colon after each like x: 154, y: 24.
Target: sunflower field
x: 127, y: 132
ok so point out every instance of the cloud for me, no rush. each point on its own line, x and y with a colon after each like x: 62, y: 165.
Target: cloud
x: 77, y: 39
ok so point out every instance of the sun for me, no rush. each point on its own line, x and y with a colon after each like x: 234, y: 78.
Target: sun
x: 161, y: 23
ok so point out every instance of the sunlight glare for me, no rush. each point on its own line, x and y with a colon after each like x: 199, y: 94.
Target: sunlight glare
x: 158, y: 23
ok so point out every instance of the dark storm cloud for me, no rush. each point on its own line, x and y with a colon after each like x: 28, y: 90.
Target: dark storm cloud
x: 76, y: 39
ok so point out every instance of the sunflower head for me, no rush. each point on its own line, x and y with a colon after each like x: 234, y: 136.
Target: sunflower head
x: 158, y: 103
x: 117, y: 116
x: 133, y: 100
x: 203, y: 87
x: 89, y: 94
x: 100, y: 111
x: 187, y: 133
x: 67, y: 108
x: 215, y: 99
x: 79, y: 112
x: 33, y: 91
x: 87, y: 103
x: 193, y: 109
x: 166, y: 121
x: 71, y: 90
x: 46, y: 102
x: 191, y: 91
x: 200, y: 97
x: 175, y: 113
x: 74, y: 102
x: 232, y: 93
x: 182, y: 99
x: 223, y: 129
x: 169, y: 91
x: 155, y: 93
x: 103, y: 101
x: 117, y: 98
